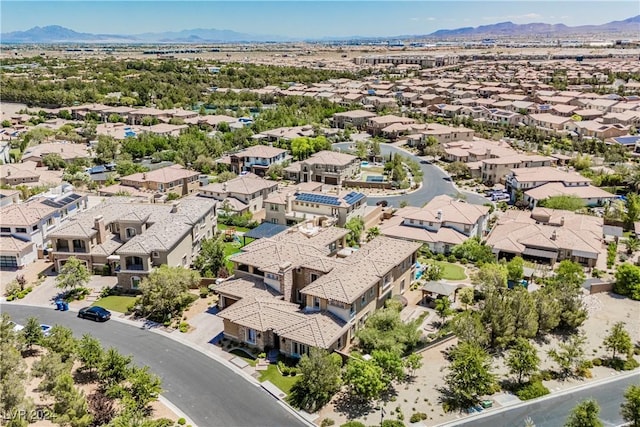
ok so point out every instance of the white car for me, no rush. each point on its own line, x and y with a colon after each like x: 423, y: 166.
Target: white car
x: 46, y: 330
x: 16, y: 327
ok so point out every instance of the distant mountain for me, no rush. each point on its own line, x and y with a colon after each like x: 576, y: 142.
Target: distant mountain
x: 628, y: 26
x: 58, y: 34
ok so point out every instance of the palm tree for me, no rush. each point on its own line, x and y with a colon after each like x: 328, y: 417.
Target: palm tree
x: 632, y: 244
x: 633, y: 180
x: 443, y: 308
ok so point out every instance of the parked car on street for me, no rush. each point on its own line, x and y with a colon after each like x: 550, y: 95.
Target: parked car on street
x: 96, y: 313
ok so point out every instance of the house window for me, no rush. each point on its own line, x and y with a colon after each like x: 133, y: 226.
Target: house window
x: 387, y: 281
x: 274, y: 220
x: 49, y: 222
x: 184, y: 261
x: 35, y: 227
x: 130, y: 232
x: 251, y: 336
x: 155, y: 254
x: 363, y: 301
x: 21, y: 230
x: 316, y: 302
x: 5, y: 230
x: 314, y: 277
x: 402, y: 285
x: 298, y: 296
x: 371, y: 291
x: 135, y: 282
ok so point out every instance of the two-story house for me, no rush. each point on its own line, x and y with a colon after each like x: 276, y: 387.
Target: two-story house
x: 257, y: 159
x: 245, y: 193
x: 327, y: 167
x: 302, y: 288
x: 170, y: 179
x: 441, y: 224
x: 127, y: 238
x: 356, y: 119
x: 26, y: 227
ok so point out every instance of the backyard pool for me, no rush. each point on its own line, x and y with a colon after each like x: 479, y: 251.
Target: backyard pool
x: 375, y: 178
x: 364, y: 163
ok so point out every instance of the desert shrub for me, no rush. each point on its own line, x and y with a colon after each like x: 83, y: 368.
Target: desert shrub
x: 596, y: 361
x: 327, y: 422
x: 452, y: 258
x: 532, y: 390
x: 184, y: 327
x: 417, y: 417
x: 440, y: 257
x: 353, y: 424
x: 204, y: 292
x: 182, y: 421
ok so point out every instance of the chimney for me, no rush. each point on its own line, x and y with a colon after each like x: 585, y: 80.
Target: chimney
x: 289, y: 203
x: 439, y: 215
x: 489, y: 152
x: 224, y: 186
x: 562, y: 221
x: 8, y: 172
x: 98, y: 224
x: 175, y: 207
x: 144, y: 176
x: 554, y: 235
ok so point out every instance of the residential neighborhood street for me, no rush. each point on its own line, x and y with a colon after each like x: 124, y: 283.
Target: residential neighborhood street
x: 433, y: 182
x: 208, y: 392
x: 553, y: 411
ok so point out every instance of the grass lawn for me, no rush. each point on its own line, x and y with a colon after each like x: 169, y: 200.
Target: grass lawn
x: 243, y: 355
x: 273, y: 374
x: 231, y: 248
x: 450, y: 271
x: 115, y: 303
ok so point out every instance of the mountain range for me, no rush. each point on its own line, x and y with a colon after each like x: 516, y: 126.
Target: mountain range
x: 58, y: 34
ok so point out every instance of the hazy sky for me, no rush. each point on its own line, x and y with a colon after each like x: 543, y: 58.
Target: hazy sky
x: 303, y: 18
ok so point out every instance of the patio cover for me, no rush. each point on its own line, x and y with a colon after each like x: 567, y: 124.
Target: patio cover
x: 266, y: 229
x: 540, y: 253
x: 441, y: 288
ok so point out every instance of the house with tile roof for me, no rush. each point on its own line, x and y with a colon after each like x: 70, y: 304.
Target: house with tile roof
x: 257, y: 159
x: 326, y: 167
x: 129, y: 239
x: 548, y: 236
x: 170, y: 179
x: 26, y: 228
x: 441, y: 224
x: 245, y: 193
x: 304, y: 288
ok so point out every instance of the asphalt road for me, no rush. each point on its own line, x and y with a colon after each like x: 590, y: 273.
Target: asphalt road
x: 554, y: 411
x: 433, y: 182
x: 210, y: 393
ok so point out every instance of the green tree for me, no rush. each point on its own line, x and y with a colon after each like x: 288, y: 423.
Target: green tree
x: 497, y: 313
x: 522, y: 359
x: 412, y: 363
x: 142, y: 388
x: 73, y: 275
x: 491, y: 276
x: 618, y: 340
x: 385, y: 330
x: 570, y: 354
x: 391, y: 364
x: 628, y: 281
x: 211, y: 257
x: 50, y: 367
x: 61, y: 341
x: 466, y: 296
x: 632, y: 244
x: 113, y: 368
x: 32, y: 333
x: 53, y: 162
x: 127, y: 167
x: 70, y: 404
x: 459, y: 170
x: 13, y: 376
x: 585, y: 414
x: 443, y: 308
x: 565, y: 203
x: 320, y: 380
x: 515, y: 269
x: 469, y: 327
x: 632, y: 213
x: 165, y: 292
x: 225, y: 176
x: 355, y: 226
x: 630, y: 408
x: 469, y: 376
x: 89, y: 352
x: 372, y: 233
x: 525, y: 315
x: 474, y: 251
x: 548, y: 309
x: 106, y: 149
x: 568, y: 286
x: 364, y: 379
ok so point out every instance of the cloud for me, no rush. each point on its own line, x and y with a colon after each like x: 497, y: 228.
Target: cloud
x: 527, y: 16
x: 430, y: 18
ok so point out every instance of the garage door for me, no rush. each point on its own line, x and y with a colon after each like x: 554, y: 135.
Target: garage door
x: 7, y: 261
x: 331, y: 180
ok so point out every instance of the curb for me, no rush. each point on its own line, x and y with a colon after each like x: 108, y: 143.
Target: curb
x: 539, y: 400
x: 195, y: 347
x: 176, y: 410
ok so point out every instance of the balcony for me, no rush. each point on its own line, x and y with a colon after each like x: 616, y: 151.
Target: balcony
x: 135, y: 267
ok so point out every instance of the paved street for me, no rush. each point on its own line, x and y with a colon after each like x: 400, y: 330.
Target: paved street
x: 433, y: 182
x: 210, y: 393
x: 553, y: 412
